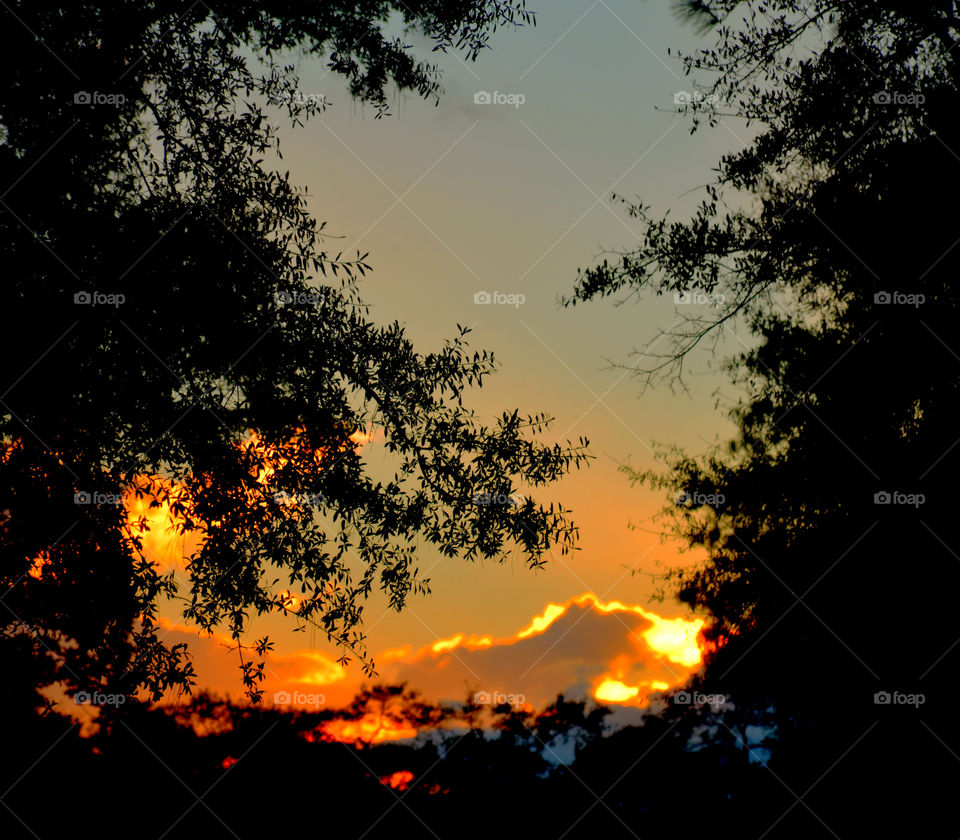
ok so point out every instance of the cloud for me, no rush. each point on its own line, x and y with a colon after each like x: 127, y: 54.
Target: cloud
x: 585, y: 647
x: 576, y: 648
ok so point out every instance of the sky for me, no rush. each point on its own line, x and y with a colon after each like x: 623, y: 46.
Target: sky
x: 510, y: 198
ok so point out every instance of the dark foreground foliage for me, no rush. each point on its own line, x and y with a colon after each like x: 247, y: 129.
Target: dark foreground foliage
x: 260, y: 771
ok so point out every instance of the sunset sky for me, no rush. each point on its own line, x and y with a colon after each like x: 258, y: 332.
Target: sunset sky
x: 277, y: 324
x: 423, y: 191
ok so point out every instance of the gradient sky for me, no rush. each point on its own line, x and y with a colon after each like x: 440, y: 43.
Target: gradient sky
x: 458, y: 198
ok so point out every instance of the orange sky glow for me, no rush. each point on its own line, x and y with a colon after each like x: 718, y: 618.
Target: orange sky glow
x: 614, y: 652
x: 634, y: 653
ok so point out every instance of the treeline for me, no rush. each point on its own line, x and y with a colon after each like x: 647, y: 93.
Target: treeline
x: 212, y: 768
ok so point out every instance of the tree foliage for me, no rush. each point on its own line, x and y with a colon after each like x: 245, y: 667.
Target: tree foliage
x: 178, y: 328
x: 826, y: 247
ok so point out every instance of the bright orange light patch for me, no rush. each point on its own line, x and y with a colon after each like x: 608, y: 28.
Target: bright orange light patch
x: 393, y: 654
x: 447, y: 644
x: 676, y: 638
x: 360, y: 439
x: 370, y: 729
x: 542, y: 622
x: 322, y: 671
x: 400, y: 780
x: 158, y: 517
x: 614, y: 691
x: 288, y: 601
x: 460, y: 640
x: 37, y: 565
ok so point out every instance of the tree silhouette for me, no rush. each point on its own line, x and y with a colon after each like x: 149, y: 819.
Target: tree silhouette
x: 177, y: 331
x: 634, y: 782
x: 827, y: 522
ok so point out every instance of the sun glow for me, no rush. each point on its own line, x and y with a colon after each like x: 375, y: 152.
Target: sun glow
x: 369, y: 729
x: 159, y: 510
x: 614, y: 691
x: 676, y: 638
x: 157, y: 519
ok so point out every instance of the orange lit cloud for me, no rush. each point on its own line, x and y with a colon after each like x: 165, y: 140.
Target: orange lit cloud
x: 615, y: 652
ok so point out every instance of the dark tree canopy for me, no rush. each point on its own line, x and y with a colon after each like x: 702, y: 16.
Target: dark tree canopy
x: 177, y: 327
x: 827, y: 246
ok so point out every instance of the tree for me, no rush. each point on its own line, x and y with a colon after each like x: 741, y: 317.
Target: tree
x: 827, y: 522
x: 177, y: 330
